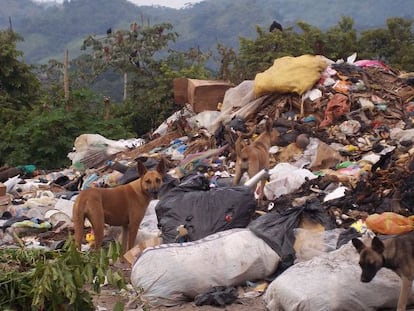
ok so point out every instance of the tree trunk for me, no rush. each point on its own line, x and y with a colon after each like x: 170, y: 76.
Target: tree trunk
x: 107, y: 103
x: 66, y: 80
x: 125, y: 85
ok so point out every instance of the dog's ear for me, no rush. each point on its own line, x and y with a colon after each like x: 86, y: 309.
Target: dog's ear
x: 162, y: 167
x: 358, y: 244
x: 377, y: 245
x: 141, y: 168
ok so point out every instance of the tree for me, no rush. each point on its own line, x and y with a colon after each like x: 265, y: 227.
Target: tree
x: 19, y: 87
x: 35, y: 127
x: 19, y: 90
x: 314, y: 39
x: 341, y: 40
x: 141, y: 52
x: 394, y: 45
x: 228, y: 64
x: 131, y: 52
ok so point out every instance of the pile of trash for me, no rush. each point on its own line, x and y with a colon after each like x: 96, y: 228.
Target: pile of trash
x: 343, y: 168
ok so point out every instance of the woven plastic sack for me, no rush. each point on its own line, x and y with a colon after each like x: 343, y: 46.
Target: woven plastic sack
x: 171, y: 274
x: 290, y: 75
x: 390, y: 223
x: 331, y: 282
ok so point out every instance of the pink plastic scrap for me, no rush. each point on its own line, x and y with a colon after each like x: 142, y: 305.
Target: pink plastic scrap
x: 371, y: 63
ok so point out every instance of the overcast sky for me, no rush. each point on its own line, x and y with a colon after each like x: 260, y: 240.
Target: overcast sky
x: 170, y: 3
x: 177, y: 4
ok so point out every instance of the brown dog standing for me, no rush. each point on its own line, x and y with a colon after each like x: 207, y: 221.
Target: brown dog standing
x: 396, y: 254
x: 124, y: 205
x: 255, y: 157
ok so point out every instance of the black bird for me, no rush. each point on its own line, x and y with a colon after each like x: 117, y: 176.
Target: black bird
x: 275, y: 25
x: 109, y: 31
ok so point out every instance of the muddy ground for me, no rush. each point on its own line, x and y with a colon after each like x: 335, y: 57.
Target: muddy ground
x: 109, y: 297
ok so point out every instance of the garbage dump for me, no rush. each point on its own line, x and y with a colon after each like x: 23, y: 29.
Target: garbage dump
x: 344, y: 162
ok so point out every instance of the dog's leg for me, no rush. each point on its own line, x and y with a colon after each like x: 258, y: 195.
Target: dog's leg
x: 125, y: 232
x: 262, y: 186
x: 238, y: 147
x: 405, y: 290
x: 238, y: 175
x: 98, y: 225
x: 253, y: 169
x: 78, y: 219
x: 261, y: 189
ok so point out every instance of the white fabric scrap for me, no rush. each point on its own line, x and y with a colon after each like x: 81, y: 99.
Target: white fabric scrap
x: 285, y: 178
x: 336, y: 194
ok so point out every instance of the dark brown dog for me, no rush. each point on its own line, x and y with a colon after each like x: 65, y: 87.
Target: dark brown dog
x: 396, y: 254
x: 255, y: 157
x: 124, y: 205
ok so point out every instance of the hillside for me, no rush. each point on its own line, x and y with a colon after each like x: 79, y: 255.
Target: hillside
x: 48, y: 29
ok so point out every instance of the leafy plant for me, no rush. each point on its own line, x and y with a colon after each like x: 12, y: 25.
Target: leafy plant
x: 35, y: 279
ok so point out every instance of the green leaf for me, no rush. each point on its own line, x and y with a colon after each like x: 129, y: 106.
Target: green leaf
x: 119, y: 306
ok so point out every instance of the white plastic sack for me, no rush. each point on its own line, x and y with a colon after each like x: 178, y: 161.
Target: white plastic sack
x: 148, y: 228
x: 12, y: 182
x: 63, y: 206
x: 86, y: 141
x: 97, y: 147
x: 331, y: 282
x: 238, y: 96
x: 285, y: 178
x: 172, y: 273
x: 238, y: 101
x: 205, y: 119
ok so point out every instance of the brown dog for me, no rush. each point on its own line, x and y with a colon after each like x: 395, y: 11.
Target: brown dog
x: 255, y: 157
x: 124, y: 205
x: 396, y: 254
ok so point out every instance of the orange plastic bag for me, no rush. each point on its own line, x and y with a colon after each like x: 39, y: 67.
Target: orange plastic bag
x: 390, y: 223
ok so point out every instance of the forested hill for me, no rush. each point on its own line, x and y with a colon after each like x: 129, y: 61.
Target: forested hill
x: 48, y: 29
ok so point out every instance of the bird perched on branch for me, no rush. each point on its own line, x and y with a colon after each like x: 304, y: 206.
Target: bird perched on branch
x: 275, y: 25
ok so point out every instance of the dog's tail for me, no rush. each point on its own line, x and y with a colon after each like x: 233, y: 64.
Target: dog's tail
x: 78, y: 218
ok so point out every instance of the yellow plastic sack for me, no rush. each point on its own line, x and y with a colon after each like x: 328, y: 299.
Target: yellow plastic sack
x: 390, y: 223
x: 290, y: 75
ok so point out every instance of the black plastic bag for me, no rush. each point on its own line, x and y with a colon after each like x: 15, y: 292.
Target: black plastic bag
x: 277, y: 228
x: 203, y: 211
x: 218, y: 296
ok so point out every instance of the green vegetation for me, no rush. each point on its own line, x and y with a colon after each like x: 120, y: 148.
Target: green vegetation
x: 35, y: 279
x: 40, y: 126
x: 393, y: 45
x: 122, y: 86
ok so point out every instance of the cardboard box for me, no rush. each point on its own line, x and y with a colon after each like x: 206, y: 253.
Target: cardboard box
x: 180, y: 86
x: 200, y: 94
x: 3, y: 189
x: 5, y: 200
